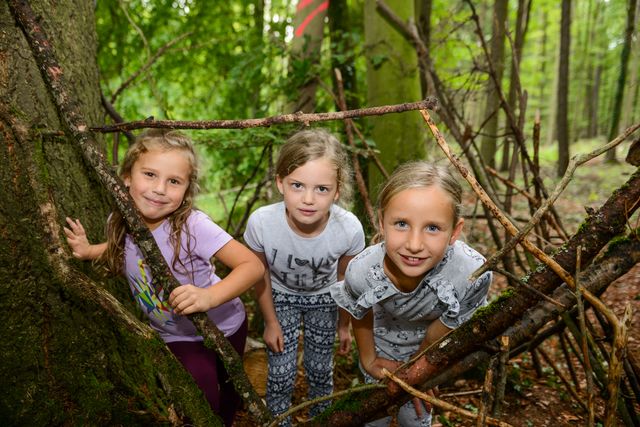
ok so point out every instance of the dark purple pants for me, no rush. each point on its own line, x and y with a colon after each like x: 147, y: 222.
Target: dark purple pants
x: 208, y: 371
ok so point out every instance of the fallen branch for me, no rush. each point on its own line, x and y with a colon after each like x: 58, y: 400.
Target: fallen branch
x: 299, y: 117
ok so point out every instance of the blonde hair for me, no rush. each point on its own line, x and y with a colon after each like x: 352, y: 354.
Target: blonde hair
x: 153, y: 139
x: 419, y: 174
x: 312, y: 144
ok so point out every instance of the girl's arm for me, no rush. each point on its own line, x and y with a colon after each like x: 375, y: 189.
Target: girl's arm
x: 80, y: 246
x: 371, y: 363
x: 246, y: 269
x: 273, y: 337
x: 344, y: 317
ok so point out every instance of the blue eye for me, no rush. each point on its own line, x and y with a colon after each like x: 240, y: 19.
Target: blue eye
x: 296, y: 185
x: 401, y: 224
x: 433, y: 228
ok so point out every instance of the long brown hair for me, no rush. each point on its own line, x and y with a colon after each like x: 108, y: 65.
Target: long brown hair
x: 153, y: 139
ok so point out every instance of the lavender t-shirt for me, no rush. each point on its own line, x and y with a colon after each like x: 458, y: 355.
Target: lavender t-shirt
x: 205, y: 239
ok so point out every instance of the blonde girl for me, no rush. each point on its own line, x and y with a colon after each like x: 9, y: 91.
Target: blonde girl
x: 305, y: 242
x: 412, y: 288
x: 160, y: 171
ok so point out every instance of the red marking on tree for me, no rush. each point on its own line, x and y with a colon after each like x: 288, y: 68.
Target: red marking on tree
x: 303, y: 4
x: 300, y: 30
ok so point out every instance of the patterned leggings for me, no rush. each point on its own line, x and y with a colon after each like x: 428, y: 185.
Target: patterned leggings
x: 319, y: 314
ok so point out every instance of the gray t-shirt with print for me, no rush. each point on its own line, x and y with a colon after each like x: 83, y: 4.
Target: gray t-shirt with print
x: 303, y: 265
x: 401, y: 318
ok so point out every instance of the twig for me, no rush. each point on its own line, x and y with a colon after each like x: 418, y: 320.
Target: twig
x: 529, y: 287
x: 440, y: 403
x: 299, y: 117
x: 501, y: 380
x: 277, y: 420
x: 567, y: 358
x: 573, y: 165
x: 585, y: 346
x: 362, y: 186
x: 147, y: 65
x: 510, y: 184
x: 511, y: 229
x: 564, y: 379
x: 616, y: 358
x: 487, y: 394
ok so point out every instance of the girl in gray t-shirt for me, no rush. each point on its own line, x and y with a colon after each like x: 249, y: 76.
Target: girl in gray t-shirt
x: 305, y: 243
x: 412, y: 288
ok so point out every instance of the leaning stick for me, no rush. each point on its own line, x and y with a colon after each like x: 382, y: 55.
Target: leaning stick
x: 440, y: 403
x: 484, y: 198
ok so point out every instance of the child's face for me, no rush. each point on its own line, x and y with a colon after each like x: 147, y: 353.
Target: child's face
x: 309, y: 191
x: 157, y: 184
x: 417, y: 227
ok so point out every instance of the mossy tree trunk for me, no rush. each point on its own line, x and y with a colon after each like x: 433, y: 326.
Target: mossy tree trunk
x: 72, y: 353
x: 392, y: 78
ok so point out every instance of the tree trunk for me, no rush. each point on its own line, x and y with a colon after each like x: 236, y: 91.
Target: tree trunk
x: 622, y: 78
x: 423, y: 11
x: 563, y: 88
x: 392, y: 77
x: 75, y: 355
x: 490, y: 131
x: 305, y: 51
x: 522, y: 22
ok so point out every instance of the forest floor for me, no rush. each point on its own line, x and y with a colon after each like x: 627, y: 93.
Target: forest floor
x: 533, y: 397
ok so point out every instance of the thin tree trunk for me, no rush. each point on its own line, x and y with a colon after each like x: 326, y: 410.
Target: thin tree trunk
x: 622, y: 77
x: 488, y: 144
x: 307, y: 38
x: 563, y: 89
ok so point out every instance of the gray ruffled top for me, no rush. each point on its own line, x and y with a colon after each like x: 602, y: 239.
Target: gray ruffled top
x: 401, y: 318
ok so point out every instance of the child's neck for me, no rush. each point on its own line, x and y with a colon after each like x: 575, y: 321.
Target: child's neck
x: 307, y: 230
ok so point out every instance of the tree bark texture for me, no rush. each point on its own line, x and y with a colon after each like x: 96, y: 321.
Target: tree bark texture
x: 622, y: 77
x: 73, y: 354
x: 392, y: 59
x: 597, y: 230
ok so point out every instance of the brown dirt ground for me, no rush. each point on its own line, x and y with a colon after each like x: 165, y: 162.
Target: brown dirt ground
x: 530, y: 399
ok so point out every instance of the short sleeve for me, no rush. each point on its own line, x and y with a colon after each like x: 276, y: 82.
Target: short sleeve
x: 474, y: 297
x: 253, y: 233
x: 357, y: 240
x: 209, y: 236
x: 364, y: 284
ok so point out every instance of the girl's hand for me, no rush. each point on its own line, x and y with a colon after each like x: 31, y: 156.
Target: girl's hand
x: 77, y: 239
x: 344, y: 336
x: 187, y: 299
x: 375, y: 369
x: 273, y: 337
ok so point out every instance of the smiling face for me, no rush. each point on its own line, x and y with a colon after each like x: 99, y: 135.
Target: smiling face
x: 158, y: 182
x: 417, y: 226
x: 309, y: 191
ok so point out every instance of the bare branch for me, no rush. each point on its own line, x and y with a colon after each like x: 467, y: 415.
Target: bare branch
x: 299, y: 117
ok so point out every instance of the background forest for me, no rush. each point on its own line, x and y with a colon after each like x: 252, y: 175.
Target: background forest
x: 522, y: 86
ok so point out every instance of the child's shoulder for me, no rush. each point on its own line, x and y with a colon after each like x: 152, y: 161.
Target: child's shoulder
x: 268, y: 210
x: 462, y: 257
x: 341, y: 216
x: 371, y: 255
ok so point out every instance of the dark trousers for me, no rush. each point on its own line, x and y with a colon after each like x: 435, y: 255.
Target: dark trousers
x: 208, y: 371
